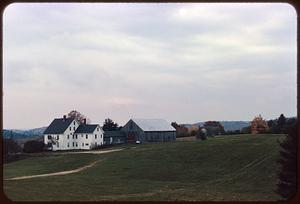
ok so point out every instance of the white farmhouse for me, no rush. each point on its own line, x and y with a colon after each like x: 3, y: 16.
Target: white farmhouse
x: 67, y: 134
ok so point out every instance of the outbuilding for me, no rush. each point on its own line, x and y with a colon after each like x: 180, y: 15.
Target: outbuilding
x: 114, y: 137
x: 149, y: 130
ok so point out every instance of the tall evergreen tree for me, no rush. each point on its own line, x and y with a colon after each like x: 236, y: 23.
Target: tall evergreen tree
x: 109, y: 125
x: 287, y: 175
x: 281, y: 122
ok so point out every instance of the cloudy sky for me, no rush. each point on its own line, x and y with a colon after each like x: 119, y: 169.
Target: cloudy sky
x: 182, y: 62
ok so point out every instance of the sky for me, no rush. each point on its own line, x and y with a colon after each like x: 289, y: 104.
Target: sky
x: 183, y: 62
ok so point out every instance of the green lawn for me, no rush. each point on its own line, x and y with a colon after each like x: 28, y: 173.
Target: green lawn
x: 240, y: 167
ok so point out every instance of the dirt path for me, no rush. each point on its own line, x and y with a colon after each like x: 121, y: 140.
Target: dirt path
x: 66, y: 172
x: 90, y: 152
x: 54, y: 174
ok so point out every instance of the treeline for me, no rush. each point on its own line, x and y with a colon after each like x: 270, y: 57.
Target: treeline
x: 13, y: 151
x: 280, y: 125
x: 209, y: 128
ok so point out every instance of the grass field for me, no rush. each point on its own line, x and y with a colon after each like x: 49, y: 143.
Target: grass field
x: 239, y: 167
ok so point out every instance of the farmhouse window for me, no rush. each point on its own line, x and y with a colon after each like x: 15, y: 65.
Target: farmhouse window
x: 70, y: 128
x: 57, y: 144
x: 95, y: 136
x: 74, y: 128
x: 97, y: 129
x: 49, y: 137
x: 101, y: 135
x: 68, y: 136
x: 73, y: 144
x: 74, y: 122
x: 68, y: 145
x: 86, y: 144
x: 76, y: 144
x: 76, y: 136
x: 86, y: 136
x: 57, y: 137
x: 73, y: 136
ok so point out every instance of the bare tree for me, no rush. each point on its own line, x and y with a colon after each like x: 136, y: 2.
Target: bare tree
x: 79, y: 117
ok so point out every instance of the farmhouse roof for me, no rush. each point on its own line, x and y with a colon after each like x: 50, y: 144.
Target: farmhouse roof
x: 58, y: 126
x: 153, y: 124
x: 84, y: 128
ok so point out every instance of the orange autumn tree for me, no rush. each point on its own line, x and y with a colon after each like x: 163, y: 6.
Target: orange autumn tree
x: 259, y: 125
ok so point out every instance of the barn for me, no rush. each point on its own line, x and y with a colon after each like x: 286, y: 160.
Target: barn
x: 114, y: 137
x: 149, y: 130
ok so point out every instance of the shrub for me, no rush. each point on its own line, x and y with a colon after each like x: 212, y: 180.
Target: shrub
x: 246, y: 130
x: 10, y: 146
x: 183, y: 134
x: 287, y: 175
x: 33, y: 146
x: 201, y: 135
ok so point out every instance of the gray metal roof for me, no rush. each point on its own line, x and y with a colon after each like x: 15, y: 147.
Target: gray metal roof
x: 58, y: 126
x: 86, y: 128
x: 153, y: 124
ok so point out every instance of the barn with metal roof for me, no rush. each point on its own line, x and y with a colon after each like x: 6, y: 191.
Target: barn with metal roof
x: 149, y: 130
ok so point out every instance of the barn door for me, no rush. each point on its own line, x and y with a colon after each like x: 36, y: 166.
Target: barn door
x: 131, y: 137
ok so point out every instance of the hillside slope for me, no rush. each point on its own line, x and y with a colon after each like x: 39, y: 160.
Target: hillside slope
x: 241, y: 167
x: 20, y: 134
x: 228, y: 125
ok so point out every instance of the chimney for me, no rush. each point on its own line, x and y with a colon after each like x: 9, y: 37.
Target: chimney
x: 65, y: 117
x: 84, y: 121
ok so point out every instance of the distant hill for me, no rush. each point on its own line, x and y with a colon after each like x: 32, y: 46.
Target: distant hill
x: 234, y: 125
x: 9, y: 133
x: 23, y: 133
x: 228, y: 125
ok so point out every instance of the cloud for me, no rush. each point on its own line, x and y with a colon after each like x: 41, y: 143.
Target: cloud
x: 183, y: 62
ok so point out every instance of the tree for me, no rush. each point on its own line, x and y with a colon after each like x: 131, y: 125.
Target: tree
x: 281, y: 122
x: 201, y: 134
x: 259, y: 125
x: 181, y: 130
x: 214, y: 128
x: 232, y: 132
x: 79, y: 117
x: 289, y: 123
x: 175, y: 125
x: 10, y: 146
x: 273, y: 125
x: 246, y: 130
x: 109, y: 125
x: 10, y: 150
x: 33, y: 146
x: 287, y: 185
